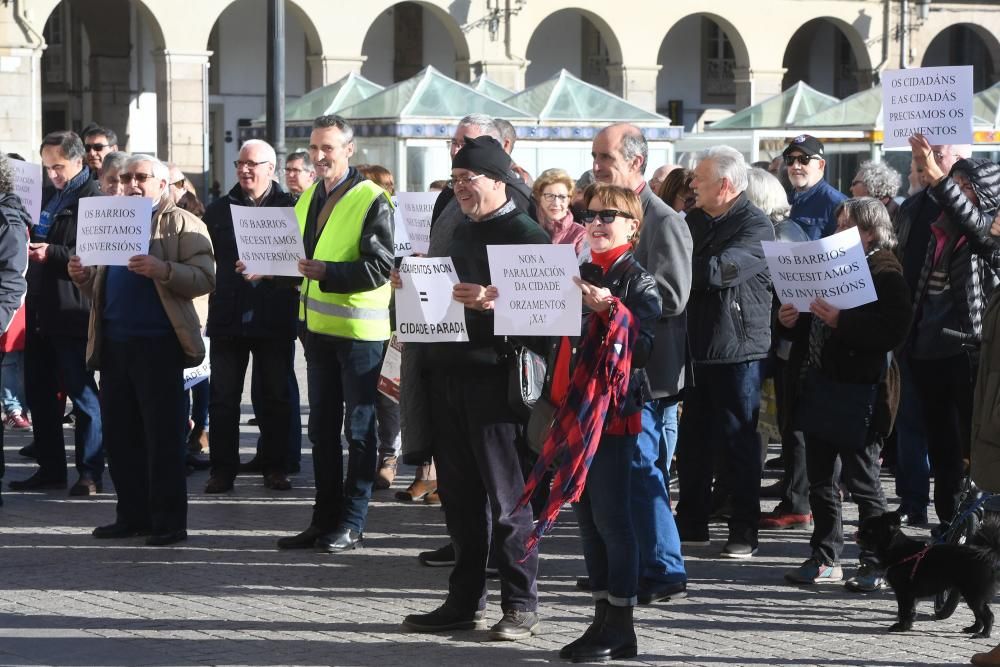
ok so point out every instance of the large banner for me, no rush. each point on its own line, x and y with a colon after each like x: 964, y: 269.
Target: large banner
x: 833, y: 269
x: 268, y: 239
x: 933, y: 101
x: 426, y: 312
x: 28, y: 186
x: 400, y: 236
x: 413, y: 210
x: 537, y: 294
x: 112, y: 230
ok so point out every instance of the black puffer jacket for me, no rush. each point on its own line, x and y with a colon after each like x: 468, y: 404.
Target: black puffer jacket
x: 973, y: 221
x: 729, y: 312
x: 637, y: 290
x: 238, y: 308
x: 56, y: 307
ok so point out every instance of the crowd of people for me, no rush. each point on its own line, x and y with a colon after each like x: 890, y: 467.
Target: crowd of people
x: 681, y: 330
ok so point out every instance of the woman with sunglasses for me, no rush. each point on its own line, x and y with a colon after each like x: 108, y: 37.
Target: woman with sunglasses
x: 614, y: 280
x: 553, y: 193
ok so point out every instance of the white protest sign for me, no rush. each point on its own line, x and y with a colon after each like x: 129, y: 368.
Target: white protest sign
x: 414, y: 211
x: 425, y: 309
x: 268, y: 239
x: 28, y: 186
x: 111, y: 230
x: 199, y: 373
x: 400, y: 237
x: 537, y: 294
x: 933, y: 101
x: 834, y: 269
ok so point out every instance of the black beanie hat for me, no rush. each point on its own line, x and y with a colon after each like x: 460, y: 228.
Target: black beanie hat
x: 483, y: 155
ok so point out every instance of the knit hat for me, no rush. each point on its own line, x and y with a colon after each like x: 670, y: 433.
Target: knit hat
x: 806, y: 143
x: 483, y: 155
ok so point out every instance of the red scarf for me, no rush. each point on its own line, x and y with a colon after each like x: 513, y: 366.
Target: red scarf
x: 607, y: 259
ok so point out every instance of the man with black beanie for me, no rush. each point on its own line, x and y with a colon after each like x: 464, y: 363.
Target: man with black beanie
x: 473, y: 428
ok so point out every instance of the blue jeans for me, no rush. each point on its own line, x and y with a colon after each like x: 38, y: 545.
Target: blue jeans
x: 913, y: 471
x: 343, y: 379
x: 12, y: 383
x: 720, y: 418
x: 660, y: 557
x: 54, y: 364
x: 604, y: 516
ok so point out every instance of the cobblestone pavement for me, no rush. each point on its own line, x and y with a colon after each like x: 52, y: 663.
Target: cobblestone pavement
x: 227, y: 596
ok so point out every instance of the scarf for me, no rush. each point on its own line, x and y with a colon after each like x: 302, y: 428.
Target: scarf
x: 61, y: 200
x: 599, y: 384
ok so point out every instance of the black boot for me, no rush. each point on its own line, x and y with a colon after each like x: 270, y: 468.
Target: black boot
x: 600, y: 610
x: 615, y: 638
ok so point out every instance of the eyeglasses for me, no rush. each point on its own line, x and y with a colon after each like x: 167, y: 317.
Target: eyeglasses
x: 463, y: 180
x: 551, y: 197
x: 126, y: 179
x: 249, y: 164
x: 607, y: 216
x: 853, y: 183
x: 455, y: 144
x: 801, y: 159
x: 178, y: 184
x: 97, y: 148
x: 292, y: 171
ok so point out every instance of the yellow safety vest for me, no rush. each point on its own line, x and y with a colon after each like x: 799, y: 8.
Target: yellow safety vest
x: 359, y: 315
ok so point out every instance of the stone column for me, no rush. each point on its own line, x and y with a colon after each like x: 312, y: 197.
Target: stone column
x: 20, y: 87
x: 324, y: 70
x: 507, y: 73
x: 182, y: 111
x: 756, y: 85
x: 638, y: 84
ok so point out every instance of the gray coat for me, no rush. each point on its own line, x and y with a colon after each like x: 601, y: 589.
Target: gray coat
x: 664, y: 250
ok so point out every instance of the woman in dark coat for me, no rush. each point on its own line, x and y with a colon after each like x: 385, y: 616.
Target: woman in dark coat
x: 843, y: 356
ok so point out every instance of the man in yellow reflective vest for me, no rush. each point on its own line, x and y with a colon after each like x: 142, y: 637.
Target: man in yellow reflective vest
x: 347, y: 228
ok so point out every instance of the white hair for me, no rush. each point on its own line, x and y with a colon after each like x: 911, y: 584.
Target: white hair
x: 269, y: 154
x: 766, y: 193
x: 161, y: 172
x: 729, y: 164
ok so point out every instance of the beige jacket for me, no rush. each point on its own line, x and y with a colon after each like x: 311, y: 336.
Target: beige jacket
x: 181, y: 240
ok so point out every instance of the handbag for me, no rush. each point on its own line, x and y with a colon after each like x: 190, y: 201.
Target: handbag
x: 838, y: 412
x: 540, y: 423
x: 526, y: 378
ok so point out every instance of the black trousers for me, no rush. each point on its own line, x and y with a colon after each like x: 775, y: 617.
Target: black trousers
x: 481, y: 480
x: 142, y: 405
x: 230, y: 356
x: 946, y: 388
x: 794, y: 482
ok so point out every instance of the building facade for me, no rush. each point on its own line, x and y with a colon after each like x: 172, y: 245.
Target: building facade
x: 178, y: 78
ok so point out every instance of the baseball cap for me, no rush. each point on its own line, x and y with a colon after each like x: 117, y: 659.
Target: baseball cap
x: 805, y: 143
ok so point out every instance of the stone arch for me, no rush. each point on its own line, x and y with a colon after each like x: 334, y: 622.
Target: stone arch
x: 703, y: 60
x: 414, y: 48
x: 830, y: 55
x: 966, y: 44
x: 598, y: 57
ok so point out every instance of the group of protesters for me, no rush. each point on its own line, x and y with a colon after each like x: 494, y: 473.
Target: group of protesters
x: 679, y: 312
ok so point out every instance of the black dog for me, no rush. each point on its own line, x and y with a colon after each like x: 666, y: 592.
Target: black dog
x: 915, y: 570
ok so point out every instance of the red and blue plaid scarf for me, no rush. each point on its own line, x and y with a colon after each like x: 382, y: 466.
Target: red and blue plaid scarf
x: 598, y: 385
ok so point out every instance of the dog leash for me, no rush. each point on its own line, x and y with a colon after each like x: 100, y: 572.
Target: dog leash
x: 916, y: 558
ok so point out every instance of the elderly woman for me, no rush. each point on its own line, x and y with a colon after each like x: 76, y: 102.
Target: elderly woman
x: 765, y: 191
x: 878, y: 180
x: 553, y: 192
x: 837, y: 374
x: 624, y: 304
x: 675, y: 191
x: 109, y: 183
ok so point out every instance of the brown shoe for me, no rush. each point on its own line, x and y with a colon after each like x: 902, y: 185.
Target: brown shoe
x: 418, y: 490
x: 198, y: 441
x: 989, y: 659
x: 432, y: 498
x: 386, y: 473
x: 277, y: 481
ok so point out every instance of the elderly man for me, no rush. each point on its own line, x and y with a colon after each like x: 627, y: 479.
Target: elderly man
x: 14, y: 223
x: 656, y: 180
x: 664, y: 249
x: 176, y: 184
x: 98, y: 142
x: 143, y: 333
x: 299, y: 172
x: 56, y: 325
x: 729, y: 329
x: 347, y: 226
x: 474, y: 430
x: 812, y: 198
x: 247, y: 318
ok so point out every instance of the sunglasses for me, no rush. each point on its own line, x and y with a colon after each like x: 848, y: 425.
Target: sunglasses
x: 801, y: 159
x: 607, y: 216
x: 139, y: 177
x: 97, y: 148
